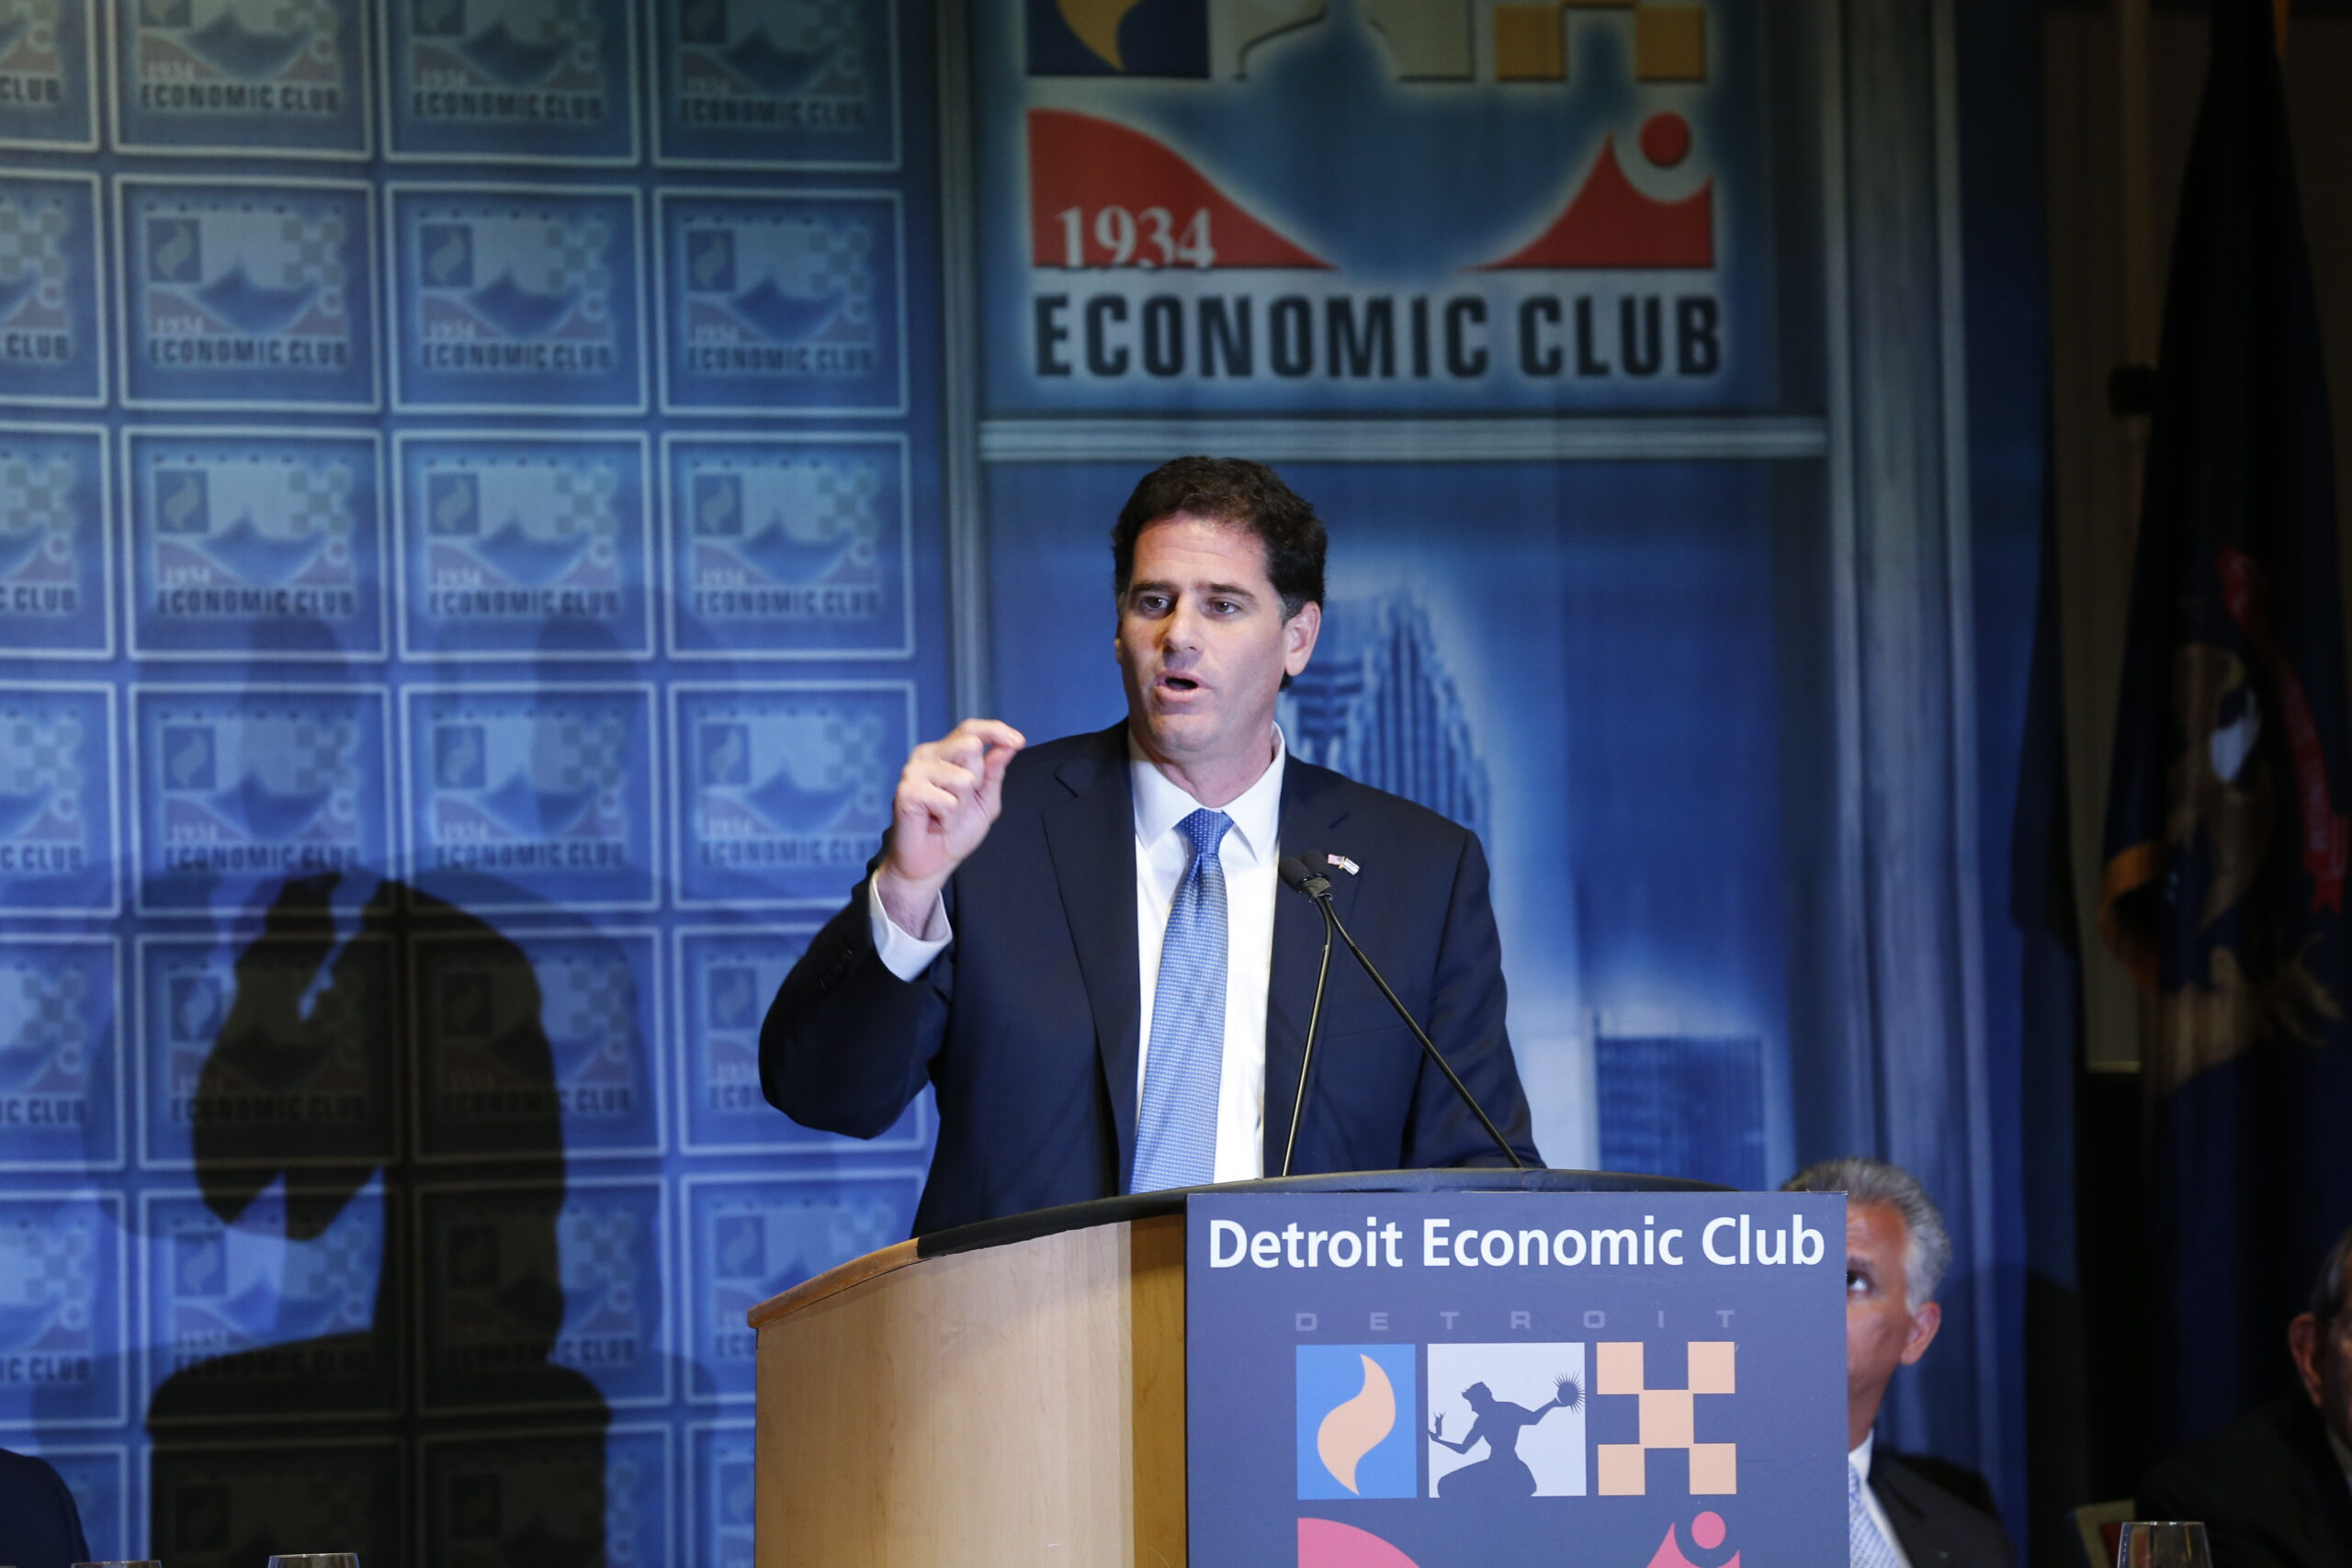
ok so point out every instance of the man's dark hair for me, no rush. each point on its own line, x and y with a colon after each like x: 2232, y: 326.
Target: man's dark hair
x: 1244, y: 494
x: 2327, y: 1291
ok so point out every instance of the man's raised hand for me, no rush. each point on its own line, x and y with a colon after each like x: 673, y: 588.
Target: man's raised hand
x: 949, y: 794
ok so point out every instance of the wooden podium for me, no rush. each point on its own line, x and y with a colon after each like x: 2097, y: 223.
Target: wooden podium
x: 1009, y: 1392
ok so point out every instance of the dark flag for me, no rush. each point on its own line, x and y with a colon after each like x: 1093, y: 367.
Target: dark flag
x: 2227, y: 836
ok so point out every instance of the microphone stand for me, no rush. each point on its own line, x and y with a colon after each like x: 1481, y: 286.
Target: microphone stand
x: 1318, y: 888
x: 1315, y: 1014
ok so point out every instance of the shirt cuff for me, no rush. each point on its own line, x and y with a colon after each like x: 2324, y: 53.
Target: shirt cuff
x: 906, y: 956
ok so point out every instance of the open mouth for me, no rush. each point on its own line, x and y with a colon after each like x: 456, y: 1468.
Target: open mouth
x: 1178, y: 684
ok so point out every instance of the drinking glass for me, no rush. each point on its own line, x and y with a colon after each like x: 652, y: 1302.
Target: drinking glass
x: 315, y: 1560
x: 2162, y: 1543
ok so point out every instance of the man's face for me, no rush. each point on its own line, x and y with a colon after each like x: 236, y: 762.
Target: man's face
x: 1882, y: 1331
x: 2324, y: 1360
x: 1203, y: 647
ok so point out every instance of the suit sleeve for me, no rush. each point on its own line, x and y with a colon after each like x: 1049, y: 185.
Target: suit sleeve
x: 847, y: 1044
x: 1467, y: 1008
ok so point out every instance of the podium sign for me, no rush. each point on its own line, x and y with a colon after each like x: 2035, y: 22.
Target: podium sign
x: 1650, y: 1380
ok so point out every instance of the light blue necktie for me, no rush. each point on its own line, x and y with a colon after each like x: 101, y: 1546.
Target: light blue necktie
x: 1865, y: 1543
x: 1176, y: 1128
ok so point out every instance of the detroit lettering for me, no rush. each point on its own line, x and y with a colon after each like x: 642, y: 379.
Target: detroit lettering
x: 1728, y: 1240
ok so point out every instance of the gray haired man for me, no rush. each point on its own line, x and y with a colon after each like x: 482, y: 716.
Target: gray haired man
x: 1897, y: 1251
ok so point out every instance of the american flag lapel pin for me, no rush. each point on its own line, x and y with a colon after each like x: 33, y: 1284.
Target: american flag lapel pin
x: 1344, y: 863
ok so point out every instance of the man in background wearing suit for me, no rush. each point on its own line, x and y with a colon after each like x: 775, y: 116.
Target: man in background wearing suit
x: 2275, y: 1487
x: 1083, y: 947
x: 1896, y: 1252
x: 40, y: 1526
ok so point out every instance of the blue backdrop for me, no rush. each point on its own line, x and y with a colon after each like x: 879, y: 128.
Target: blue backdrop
x: 490, y: 490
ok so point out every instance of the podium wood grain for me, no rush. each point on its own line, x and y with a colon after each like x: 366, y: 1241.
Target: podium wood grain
x: 1021, y: 1404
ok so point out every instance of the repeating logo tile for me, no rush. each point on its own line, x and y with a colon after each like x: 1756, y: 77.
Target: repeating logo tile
x: 218, y: 1506
x: 749, y: 1239
x: 783, y: 304
x: 56, y: 551
x: 538, y: 1044
x: 524, y: 797
x: 525, y: 548
x: 288, y: 77
x: 272, y: 1317
x: 516, y: 302
x: 789, y: 549
x: 750, y: 83
x: 61, y: 1330
x: 57, y: 795
x: 519, y: 1499
x: 783, y: 790
x: 519, y: 81
x: 240, y: 788
x: 52, y: 288
x: 60, y: 1053
x: 249, y: 296
x: 543, y: 1297
x: 279, y: 1050
x: 726, y: 978
x: 46, y: 62
x: 722, y: 1495
x: 255, y: 547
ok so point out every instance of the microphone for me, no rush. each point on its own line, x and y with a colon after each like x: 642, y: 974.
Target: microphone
x: 1298, y: 874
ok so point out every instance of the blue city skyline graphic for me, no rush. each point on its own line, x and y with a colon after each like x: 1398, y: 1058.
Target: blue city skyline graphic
x: 1682, y: 1106
x: 55, y: 550
x: 1378, y: 705
x: 787, y: 790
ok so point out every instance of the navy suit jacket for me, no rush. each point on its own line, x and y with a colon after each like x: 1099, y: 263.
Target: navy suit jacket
x: 40, y: 1527
x: 1027, y: 1025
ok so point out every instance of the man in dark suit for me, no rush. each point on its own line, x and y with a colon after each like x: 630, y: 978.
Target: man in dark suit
x: 2275, y: 1487
x: 40, y: 1526
x: 1897, y: 1251
x: 1083, y: 947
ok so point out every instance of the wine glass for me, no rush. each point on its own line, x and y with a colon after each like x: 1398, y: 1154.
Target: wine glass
x: 2162, y: 1543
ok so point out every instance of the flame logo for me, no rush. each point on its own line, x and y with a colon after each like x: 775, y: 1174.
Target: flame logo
x: 1356, y: 1426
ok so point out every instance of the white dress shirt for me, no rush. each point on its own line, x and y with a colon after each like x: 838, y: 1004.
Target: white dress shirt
x: 1246, y: 855
x: 1858, y: 1458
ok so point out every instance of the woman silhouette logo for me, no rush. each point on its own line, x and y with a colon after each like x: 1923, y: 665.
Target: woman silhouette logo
x: 1498, y: 1424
